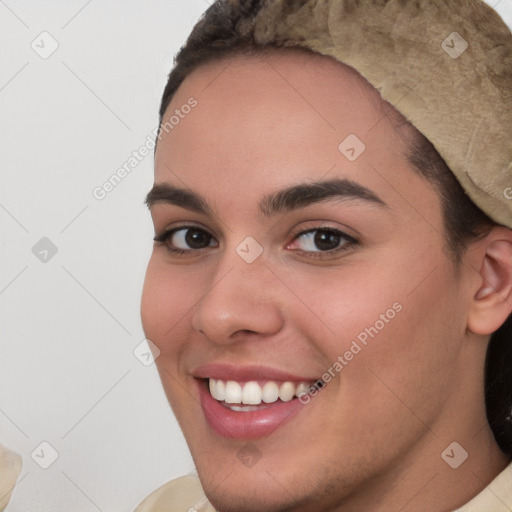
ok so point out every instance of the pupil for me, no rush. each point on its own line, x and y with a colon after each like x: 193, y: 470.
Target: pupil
x: 197, y: 239
x: 327, y: 240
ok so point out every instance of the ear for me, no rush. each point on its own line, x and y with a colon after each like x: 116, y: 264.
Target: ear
x: 492, y: 302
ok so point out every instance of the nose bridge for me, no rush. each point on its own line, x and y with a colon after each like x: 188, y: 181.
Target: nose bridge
x: 238, y: 298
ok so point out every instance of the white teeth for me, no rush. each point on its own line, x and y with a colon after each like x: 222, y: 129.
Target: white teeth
x: 286, y: 391
x: 221, y: 390
x: 302, y: 389
x: 242, y: 408
x: 218, y: 390
x: 233, y: 392
x: 251, y: 393
x: 213, y: 389
x: 270, y: 392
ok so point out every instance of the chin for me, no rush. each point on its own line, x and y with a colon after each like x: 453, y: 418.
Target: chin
x: 270, y: 485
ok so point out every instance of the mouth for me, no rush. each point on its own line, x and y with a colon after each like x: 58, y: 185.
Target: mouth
x: 255, y: 395
x: 251, y: 403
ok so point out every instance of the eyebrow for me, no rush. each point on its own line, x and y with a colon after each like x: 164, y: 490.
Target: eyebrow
x: 168, y: 194
x: 282, y: 201
x: 302, y: 195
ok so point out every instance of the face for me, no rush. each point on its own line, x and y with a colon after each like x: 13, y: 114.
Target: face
x: 297, y: 251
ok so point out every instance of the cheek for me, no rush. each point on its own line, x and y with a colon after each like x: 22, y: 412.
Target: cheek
x: 336, y: 306
x: 402, y: 349
x: 167, y: 301
x: 383, y: 320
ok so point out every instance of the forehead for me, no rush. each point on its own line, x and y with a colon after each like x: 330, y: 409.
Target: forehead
x: 291, y: 83
x: 263, y: 122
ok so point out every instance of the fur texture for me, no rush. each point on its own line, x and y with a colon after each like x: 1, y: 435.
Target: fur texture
x: 463, y: 105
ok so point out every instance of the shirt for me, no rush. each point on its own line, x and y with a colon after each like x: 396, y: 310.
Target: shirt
x: 186, y: 494
x: 10, y: 467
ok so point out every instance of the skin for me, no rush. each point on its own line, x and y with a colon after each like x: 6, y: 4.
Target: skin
x: 372, y: 438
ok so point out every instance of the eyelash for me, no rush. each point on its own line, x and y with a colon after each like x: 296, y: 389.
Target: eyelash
x: 164, y: 237
x: 349, y: 241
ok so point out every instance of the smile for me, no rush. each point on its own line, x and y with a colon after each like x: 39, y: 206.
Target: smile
x: 254, y: 393
x: 250, y: 402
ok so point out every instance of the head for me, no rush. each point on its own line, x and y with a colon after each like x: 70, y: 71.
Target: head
x: 308, y: 234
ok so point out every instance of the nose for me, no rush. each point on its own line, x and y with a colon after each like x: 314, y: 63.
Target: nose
x: 238, y: 299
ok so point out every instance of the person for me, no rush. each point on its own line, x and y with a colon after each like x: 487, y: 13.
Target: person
x: 330, y: 289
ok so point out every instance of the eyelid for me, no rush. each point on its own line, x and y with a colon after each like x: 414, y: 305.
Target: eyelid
x: 350, y: 243
x: 335, y: 230
x: 307, y: 227
x: 165, y: 232
x: 169, y: 215
x: 163, y: 237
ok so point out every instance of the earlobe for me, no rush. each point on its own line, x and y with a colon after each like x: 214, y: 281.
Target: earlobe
x: 492, y: 301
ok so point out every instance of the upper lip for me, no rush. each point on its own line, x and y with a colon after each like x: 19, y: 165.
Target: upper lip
x: 225, y: 371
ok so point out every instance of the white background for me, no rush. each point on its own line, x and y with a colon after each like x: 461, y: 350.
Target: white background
x: 68, y: 327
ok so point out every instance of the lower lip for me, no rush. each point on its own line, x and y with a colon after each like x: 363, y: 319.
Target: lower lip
x: 246, y: 425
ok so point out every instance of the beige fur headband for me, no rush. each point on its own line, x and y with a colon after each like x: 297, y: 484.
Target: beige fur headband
x: 446, y: 65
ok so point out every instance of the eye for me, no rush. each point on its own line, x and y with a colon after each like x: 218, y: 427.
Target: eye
x: 186, y: 239
x: 322, y: 240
